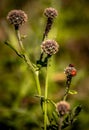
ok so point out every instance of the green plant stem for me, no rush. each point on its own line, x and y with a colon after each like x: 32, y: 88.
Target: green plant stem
x: 38, y: 82
x: 20, y: 41
x: 68, y: 83
x: 8, y: 44
x: 28, y: 62
x: 25, y: 56
x: 46, y: 96
x: 66, y: 93
x: 60, y: 123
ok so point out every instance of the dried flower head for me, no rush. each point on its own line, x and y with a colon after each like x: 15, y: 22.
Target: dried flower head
x: 17, y: 18
x: 50, y: 12
x: 63, y: 107
x: 70, y: 70
x: 49, y: 47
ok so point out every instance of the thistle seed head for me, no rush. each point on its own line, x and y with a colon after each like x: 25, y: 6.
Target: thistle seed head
x: 17, y: 17
x: 49, y: 47
x: 50, y: 12
x: 63, y: 107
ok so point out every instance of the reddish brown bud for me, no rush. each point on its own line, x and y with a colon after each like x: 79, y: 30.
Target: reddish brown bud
x: 63, y: 107
x: 17, y: 18
x: 50, y: 47
x: 50, y: 12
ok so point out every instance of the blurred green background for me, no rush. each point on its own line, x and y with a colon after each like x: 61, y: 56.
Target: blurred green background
x: 17, y: 85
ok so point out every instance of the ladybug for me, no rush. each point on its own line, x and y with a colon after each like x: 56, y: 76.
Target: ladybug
x: 73, y: 72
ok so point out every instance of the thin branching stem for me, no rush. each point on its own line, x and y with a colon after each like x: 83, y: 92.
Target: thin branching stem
x: 47, y: 28
x: 60, y: 123
x: 68, y: 83
x: 38, y: 82
x: 8, y: 44
x: 20, y: 41
x: 25, y: 57
x: 46, y: 96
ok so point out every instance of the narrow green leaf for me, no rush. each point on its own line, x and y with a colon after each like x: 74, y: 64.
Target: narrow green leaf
x: 72, y: 92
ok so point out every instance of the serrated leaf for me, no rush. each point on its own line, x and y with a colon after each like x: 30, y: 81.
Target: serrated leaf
x: 72, y: 92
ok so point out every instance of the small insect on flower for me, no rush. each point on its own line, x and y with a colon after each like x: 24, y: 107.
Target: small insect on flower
x: 17, y: 18
x: 70, y: 70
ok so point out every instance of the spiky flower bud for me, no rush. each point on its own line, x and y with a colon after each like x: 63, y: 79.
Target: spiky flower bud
x: 50, y: 12
x: 17, y: 18
x: 49, y: 47
x: 70, y: 70
x: 63, y: 107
